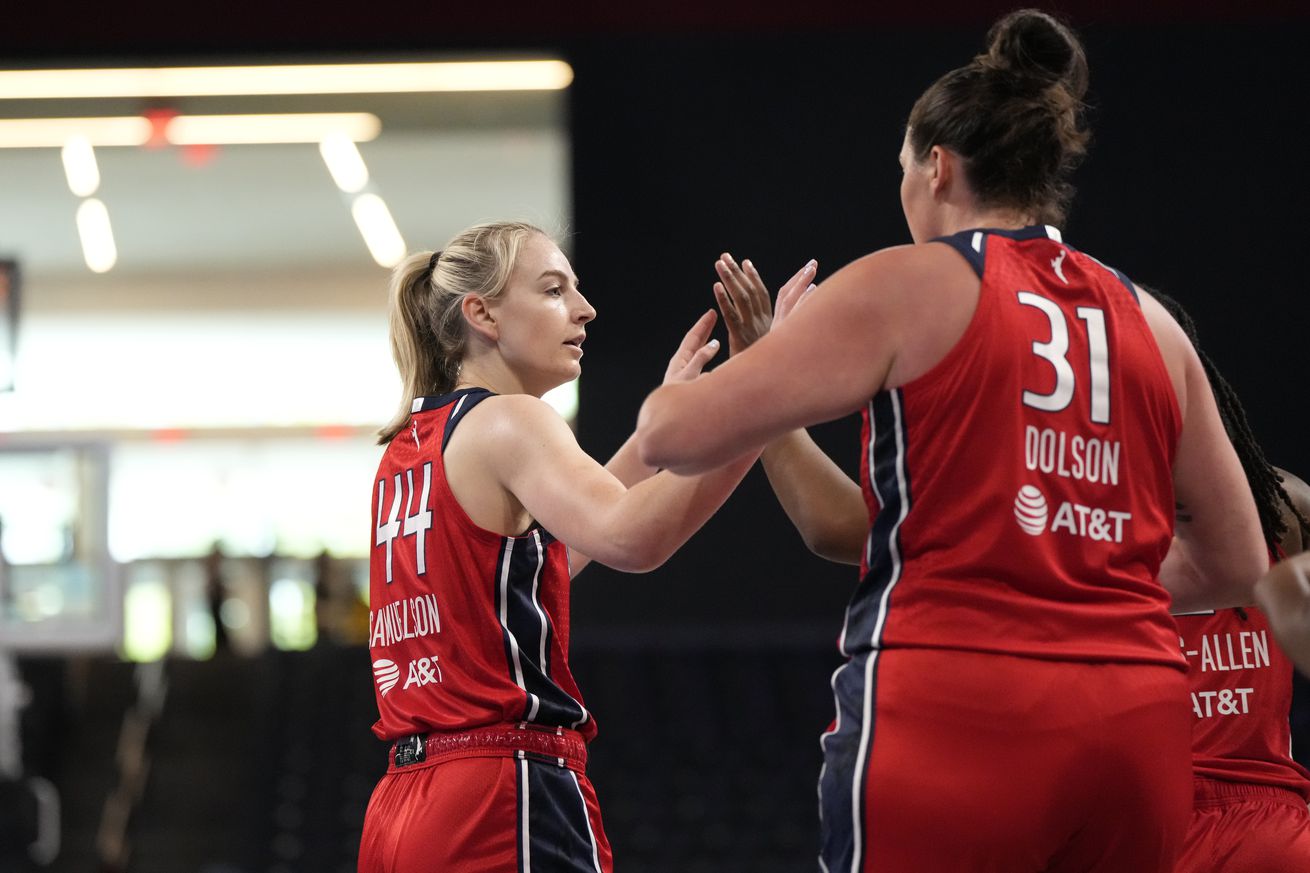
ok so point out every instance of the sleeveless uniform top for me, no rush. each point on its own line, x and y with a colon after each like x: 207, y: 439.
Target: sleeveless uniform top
x: 1241, y: 685
x: 1020, y: 492
x: 467, y: 628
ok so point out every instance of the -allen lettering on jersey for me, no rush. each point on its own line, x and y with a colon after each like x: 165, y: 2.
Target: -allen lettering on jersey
x: 1241, y: 687
x: 1219, y: 653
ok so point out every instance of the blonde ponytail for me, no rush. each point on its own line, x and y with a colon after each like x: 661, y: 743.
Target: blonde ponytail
x: 428, y: 333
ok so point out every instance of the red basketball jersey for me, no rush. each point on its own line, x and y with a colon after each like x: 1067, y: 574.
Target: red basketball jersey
x: 1241, y: 693
x: 1021, y: 492
x: 466, y: 627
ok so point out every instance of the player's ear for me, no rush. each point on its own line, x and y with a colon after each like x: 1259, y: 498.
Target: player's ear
x: 479, y: 317
x: 943, y: 166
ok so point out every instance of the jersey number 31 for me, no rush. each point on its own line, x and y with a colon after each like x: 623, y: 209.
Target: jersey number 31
x: 1056, y: 353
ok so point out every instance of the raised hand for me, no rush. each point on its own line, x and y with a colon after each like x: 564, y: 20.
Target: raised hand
x: 694, y: 352
x: 743, y: 299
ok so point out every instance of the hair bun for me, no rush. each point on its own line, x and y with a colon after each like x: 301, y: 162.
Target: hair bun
x: 1030, y: 44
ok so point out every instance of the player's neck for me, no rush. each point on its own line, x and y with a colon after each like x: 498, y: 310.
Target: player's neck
x: 957, y: 220
x: 490, y: 372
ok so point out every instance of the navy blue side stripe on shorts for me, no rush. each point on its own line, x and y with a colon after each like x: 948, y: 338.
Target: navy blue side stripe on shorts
x: 554, y: 830
x: 847, y: 748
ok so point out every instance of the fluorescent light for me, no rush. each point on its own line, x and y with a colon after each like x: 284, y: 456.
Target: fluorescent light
x: 97, y: 236
x: 30, y: 133
x: 344, y: 162
x: 80, y: 166
x: 134, y: 130
x: 150, y: 82
x: 379, y: 229
x: 246, y: 129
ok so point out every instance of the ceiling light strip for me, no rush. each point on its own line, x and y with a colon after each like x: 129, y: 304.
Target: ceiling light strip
x: 28, y: 133
x: 150, y: 82
x: 134, y: 130
x: 259, y: 129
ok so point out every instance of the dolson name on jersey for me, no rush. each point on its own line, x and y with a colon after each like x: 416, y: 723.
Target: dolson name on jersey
x: 1088, y: 459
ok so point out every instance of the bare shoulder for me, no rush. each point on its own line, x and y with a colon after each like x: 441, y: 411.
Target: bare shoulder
x: 508, y: 421
x: 1168, y: 333
x: 508, y: 426
x: 914, y: 263
x: 909, y: 279
x: 927, y: 295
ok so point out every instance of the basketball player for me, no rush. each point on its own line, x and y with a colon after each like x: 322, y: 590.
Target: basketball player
x: 483, y: 507
x: 1250, y: 812
x: 1014, y: 697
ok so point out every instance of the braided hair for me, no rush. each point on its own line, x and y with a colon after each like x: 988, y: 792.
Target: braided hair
x: 1266, y: 484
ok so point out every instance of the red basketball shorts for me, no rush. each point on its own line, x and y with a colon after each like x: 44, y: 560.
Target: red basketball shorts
x: 959, y: 762
x: 1239, y: 828
x: 486, y: 810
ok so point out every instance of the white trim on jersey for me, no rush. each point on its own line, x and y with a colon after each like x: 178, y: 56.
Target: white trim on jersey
x: 976, y: 242
x: 866, y: 715
x: 1054, y: 233
x: 536, y: 604
x: 586, y: 816
x: 506, y: 560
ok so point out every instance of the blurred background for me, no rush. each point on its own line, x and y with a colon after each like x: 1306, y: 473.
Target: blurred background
x: 193, y: 360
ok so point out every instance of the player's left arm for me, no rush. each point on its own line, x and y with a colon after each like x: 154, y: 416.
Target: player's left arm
x: 1284, y: 595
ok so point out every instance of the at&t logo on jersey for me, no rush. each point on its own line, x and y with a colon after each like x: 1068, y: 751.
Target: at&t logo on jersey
x: 422, y: 671
x: 1103, y: 525
x: 386, y: 673
x: 1030, y: 510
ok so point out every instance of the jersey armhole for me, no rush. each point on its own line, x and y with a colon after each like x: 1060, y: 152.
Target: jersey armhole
x: 972, y: 246
x: 1127, y: 283
x: 1123, y: 279
x: 462, y: 406
x: 472, y: 398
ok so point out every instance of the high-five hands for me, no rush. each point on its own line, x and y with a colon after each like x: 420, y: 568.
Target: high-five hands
x: 744, y: 301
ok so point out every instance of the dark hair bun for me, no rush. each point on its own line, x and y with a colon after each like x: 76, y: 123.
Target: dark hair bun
x: 1031, y: 45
